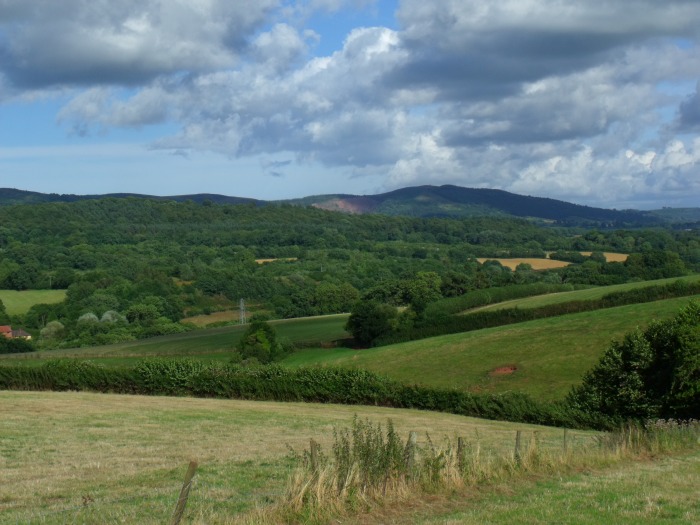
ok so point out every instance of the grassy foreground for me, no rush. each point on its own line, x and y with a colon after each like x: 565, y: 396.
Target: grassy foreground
x: 91, y: 458
x: 658, y: 492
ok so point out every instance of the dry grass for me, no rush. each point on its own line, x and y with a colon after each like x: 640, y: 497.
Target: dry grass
x: 536, y: 263
x: 610, y: 256
x: 265, y: 261
x: 314, y: 496
x: 549, y: 264
x: 68, y: 456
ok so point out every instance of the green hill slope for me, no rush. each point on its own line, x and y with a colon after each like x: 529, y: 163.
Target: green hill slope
x: 543, y: 358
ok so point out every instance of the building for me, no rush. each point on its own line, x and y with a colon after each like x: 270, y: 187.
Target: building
x: 7, y: 332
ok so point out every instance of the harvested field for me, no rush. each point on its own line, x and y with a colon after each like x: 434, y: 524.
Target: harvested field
x: 610, y: 256
x: 536, y: 263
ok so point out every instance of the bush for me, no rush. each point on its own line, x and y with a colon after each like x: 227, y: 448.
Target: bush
x: 370, y: 320
x: 15, y: 346
x: 653, y: 373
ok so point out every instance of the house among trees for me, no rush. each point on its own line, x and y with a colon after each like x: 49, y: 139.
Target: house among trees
x: 7, y: 332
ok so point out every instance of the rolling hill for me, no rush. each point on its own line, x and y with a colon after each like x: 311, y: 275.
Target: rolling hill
x: 418, y: 201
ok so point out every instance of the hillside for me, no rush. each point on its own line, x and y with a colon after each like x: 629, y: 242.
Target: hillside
x: 419, y: 201
x: 455, y: 201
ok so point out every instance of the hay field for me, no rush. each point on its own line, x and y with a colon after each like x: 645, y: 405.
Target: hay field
x: 99, y: 458
x: 536, y: 263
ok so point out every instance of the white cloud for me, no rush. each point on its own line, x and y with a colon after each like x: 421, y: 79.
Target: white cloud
x: 546, y: 97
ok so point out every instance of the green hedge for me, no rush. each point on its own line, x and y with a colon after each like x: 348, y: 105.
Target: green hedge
x: 320, y: 385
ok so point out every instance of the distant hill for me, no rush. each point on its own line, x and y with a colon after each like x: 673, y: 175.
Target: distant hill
x: 455, y: 201
x: 10, y: 196
x: 421, y: 201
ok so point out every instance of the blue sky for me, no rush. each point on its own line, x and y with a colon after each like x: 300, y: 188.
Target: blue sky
x: 593, y: 102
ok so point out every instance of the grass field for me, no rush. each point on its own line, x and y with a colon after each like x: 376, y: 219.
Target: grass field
x: 17, y: 303
x: 209, y: 344
x: 548, y: 355
x: 589, y: 294
x: 653, y: 492
x: 96, y: 458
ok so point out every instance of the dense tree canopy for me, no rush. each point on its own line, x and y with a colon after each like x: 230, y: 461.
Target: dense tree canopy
x: 153, y: 263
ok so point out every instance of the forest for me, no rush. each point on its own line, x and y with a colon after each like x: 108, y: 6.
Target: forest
x: 135, y: 267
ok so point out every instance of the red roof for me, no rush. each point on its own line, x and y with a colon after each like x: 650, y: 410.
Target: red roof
x: 5, y: 329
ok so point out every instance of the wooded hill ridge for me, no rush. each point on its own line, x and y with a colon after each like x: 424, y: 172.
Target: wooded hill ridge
x: 422, y: 201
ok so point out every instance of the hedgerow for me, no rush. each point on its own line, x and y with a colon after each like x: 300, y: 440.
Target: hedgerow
x: 272, y: 382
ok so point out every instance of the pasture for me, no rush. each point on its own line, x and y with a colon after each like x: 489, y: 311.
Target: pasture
x: 208, y: 344
x: 19, y: 302
x: 88, y: 458
x: 544, y: 358
x: 589, y: 294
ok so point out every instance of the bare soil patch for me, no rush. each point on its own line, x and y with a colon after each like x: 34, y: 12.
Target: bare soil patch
x: 503, y: 370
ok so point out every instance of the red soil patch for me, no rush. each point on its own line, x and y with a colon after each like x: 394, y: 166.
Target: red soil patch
x: 503, y: 370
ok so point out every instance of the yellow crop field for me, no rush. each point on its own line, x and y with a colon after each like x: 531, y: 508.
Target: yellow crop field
x: 610, y: 256
x: 536, y: 263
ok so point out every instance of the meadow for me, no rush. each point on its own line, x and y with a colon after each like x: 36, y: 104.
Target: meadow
x: 207, y: 344
x: 589, y: 294
x: 19, y: 302
x: 82, y: 457
x: 544, y: 358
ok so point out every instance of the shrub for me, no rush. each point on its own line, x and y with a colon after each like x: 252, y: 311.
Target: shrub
x: 651, y: 373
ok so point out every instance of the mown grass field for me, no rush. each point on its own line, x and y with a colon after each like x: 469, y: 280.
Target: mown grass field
x: 97, y: 458
x: 17, y: 303
x: 549, y: 355
x: 589, y: 294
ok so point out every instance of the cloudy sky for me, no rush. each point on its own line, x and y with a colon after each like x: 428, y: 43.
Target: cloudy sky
x: 594, y: 102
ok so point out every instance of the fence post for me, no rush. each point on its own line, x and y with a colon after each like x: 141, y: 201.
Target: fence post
x: 410, y: 451
x: 184, y: 494
x: 517, y: 455
x: 461, y: 451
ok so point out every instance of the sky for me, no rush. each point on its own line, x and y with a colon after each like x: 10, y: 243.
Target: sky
x: 594, y: 102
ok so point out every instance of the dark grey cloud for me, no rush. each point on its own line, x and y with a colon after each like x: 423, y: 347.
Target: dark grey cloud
x: 124, y: 42
x: 690, y: 110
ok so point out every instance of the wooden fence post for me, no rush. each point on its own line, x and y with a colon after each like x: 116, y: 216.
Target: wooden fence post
x: 517, y: 455
x: 184, y: 494
x: 461, y: 452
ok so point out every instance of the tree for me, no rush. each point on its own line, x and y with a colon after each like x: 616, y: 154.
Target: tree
x: 4, y: 318
x: 371, y: 319
x: 52, y: 333
x: 651, y: 373
x: 260, y: 342
x: 422, y: 290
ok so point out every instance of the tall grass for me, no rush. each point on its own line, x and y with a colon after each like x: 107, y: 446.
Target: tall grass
x: 369, y: 465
